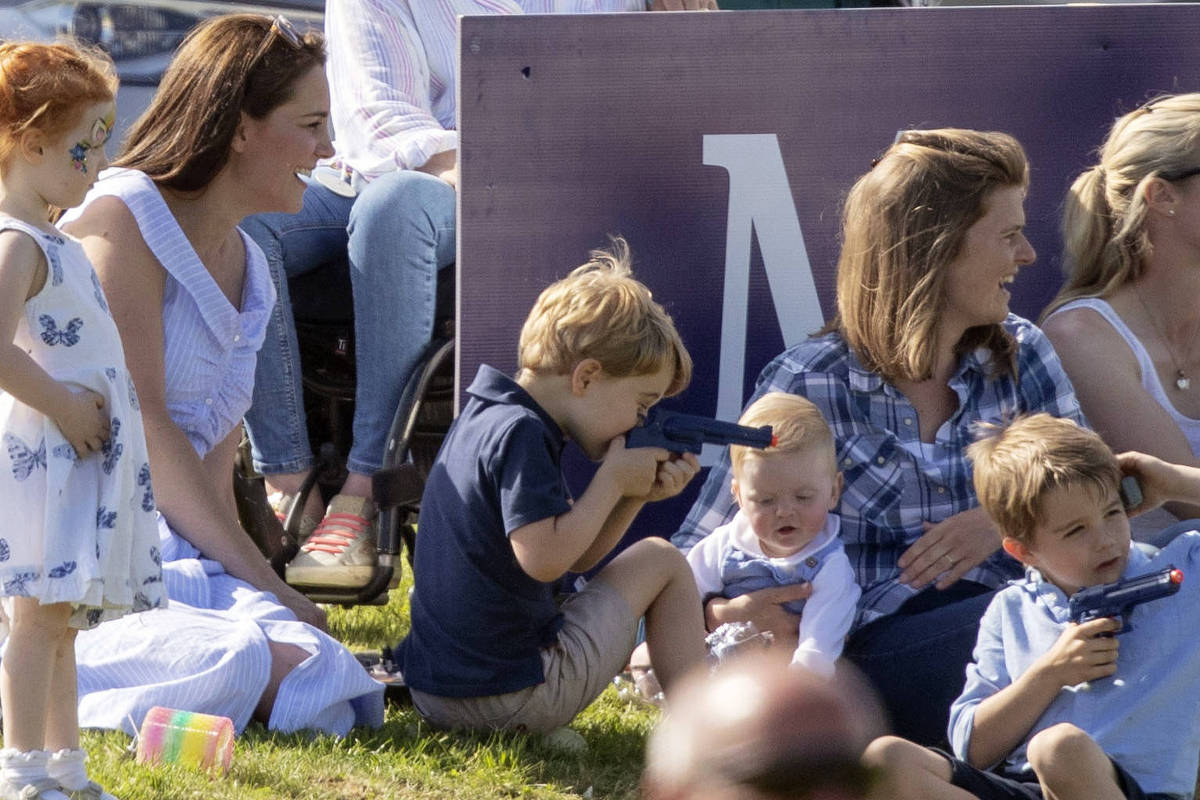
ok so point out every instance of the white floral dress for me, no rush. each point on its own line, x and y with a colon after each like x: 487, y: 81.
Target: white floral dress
x: 77, y: 530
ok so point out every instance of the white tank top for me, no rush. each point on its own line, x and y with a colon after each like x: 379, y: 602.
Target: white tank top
x: 1144, y: 524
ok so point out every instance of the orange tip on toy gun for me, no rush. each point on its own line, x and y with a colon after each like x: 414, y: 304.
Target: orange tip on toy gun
x: 1118, y: 599
x: 687, y: 433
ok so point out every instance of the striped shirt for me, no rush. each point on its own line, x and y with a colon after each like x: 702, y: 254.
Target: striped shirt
x: 894, y: 482
x: 209, y: 651
x: 393, y: 73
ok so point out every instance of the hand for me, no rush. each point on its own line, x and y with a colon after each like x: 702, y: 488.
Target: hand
x: 83, y: 422
x: 1160, y: 481
x: 764, y: 608
x: 304, y: 609
x: 684, y: 5
x: 635, y: 471
x: 1082, y: 653
x: 949, y: 549
x: 673, y: 475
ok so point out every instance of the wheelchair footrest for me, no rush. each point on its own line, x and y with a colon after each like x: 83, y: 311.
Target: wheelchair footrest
x: 373, y: 592
x: 400, y: 485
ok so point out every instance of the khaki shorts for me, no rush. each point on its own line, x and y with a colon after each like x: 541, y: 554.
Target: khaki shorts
x: 598, y: 635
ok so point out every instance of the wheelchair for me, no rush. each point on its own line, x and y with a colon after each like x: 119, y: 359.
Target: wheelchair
x: 421, y: 420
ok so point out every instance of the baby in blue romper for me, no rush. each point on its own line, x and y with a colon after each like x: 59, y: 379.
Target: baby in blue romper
x: 784, y: 531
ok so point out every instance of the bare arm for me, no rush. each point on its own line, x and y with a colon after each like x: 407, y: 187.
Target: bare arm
x: 1161, y: 481
x: 78, y: 414
x: 186, y: 494
x: 1108, y: 383
x: 1082, y: 653
x: 548, y: 548
x: 673, y: 475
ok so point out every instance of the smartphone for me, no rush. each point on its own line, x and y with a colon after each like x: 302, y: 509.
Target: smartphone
x: 1130, y: 491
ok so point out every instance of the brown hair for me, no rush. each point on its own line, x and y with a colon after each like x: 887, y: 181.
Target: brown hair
x: 796, y: 423
x: 903, y: 224
x: 220, y: 71
x: 1104, y: 219
x: 1016, y: 464
x: 600, y: 311
x: 43, y: 86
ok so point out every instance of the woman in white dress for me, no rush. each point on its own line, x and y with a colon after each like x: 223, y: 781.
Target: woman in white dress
x: 243, y: 107
x: 1126, y: 323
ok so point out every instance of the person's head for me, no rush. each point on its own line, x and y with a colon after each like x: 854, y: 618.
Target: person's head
x: 930, y: 235
x: 1051, y: 487
x: 758, y: 729
x: 616, y: 348
x: 244, y: 88
x: 786, y: 490
x: 1146, y: 172
x: 56, y: 113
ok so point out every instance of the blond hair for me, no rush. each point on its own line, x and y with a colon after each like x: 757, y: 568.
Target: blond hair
x: 1104, y: 219
x: 903, y: 224
x: 796, y: 423
x: 1016, y: 464
x: 600, y: 311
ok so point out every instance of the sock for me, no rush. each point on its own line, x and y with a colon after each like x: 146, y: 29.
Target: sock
x: 19, y: 769
x: 68, y: 767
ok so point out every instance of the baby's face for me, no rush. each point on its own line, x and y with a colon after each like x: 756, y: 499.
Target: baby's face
x: 786, y: 497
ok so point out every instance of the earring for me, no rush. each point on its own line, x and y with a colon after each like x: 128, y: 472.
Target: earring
x: 1170, y: 212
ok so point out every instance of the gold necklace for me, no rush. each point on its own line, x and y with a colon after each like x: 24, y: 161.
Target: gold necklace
x: 1182, y: 381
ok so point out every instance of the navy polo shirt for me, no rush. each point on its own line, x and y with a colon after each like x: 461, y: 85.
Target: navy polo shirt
x: 478, y: 621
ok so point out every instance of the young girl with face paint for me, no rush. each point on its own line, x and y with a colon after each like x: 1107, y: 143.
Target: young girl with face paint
x: 79, y: 543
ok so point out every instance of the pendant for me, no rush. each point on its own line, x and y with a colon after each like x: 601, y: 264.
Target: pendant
x: 1182, y: 382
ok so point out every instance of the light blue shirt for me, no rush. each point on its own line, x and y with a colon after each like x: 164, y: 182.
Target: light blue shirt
x: 1144, y: 717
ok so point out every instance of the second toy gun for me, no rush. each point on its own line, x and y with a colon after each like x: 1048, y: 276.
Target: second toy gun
x: 1118, y: 599
x: 687, y: 433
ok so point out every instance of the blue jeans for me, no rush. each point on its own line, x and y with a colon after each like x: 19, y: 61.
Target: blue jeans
x: 396, y: 235
x: 917, y: 657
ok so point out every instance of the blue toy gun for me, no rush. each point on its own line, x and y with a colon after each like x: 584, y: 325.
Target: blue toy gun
x: 682, y: 433
x: 1118, y: 599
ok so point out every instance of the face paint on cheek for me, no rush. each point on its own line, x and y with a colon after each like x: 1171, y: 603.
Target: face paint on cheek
x: 79, y: 157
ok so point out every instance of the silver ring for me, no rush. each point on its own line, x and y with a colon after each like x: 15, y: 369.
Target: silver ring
x: 949, y: 561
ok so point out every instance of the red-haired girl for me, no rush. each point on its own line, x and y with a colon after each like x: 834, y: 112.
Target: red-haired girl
x: 79, y: 543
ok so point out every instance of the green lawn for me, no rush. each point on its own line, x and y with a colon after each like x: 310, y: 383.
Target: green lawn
x: 404, y: 758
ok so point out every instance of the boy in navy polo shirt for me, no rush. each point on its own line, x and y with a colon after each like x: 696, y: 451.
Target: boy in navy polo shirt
x: 1054, y: 708
x: 489, y: 646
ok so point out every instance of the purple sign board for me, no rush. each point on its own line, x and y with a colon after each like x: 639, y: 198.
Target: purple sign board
x: 722, y: 144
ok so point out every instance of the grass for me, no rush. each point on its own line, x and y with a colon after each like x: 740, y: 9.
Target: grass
x: 404, y: 758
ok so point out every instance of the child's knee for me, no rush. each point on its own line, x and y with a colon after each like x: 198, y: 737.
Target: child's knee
x: 1063, y: 743
x: 661, y: 552
x: 891, y: 754
x: 30, y: 618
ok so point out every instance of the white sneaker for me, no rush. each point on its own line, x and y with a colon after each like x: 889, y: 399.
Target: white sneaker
x: 281, y: 504
x: 341, y: 550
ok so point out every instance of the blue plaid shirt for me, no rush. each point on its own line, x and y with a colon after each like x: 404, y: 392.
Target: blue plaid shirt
x: 893, y: 481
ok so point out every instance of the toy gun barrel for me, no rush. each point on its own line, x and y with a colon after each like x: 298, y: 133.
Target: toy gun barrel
x: 1119, y: 598
x: 681, y: 433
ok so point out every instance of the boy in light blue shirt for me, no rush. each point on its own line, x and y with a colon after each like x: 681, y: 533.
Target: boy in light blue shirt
x: 1053, y: 708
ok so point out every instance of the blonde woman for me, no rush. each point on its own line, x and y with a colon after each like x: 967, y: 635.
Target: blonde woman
x: 1127, y: 321
x: 923, y: 346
